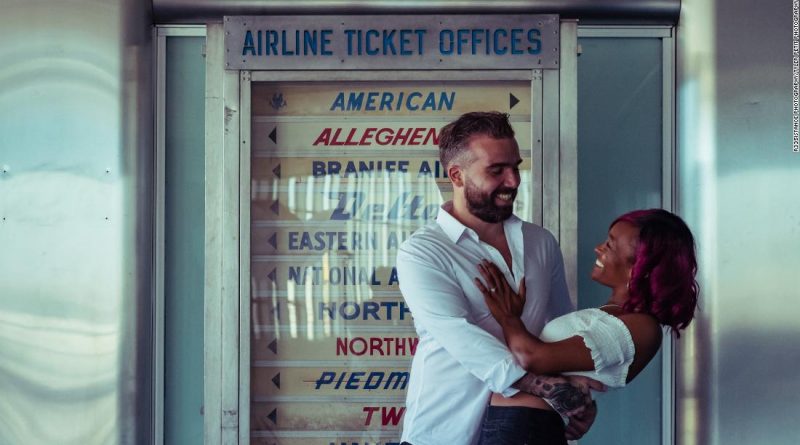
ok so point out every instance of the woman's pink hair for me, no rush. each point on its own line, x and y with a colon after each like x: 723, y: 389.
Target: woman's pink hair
x: 663, y: 274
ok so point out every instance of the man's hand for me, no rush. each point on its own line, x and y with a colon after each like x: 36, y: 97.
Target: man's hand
x: 569, y: 396
x: 578, y: 425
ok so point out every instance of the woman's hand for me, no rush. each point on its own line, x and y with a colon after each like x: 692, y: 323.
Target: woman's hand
x: 503, y: 302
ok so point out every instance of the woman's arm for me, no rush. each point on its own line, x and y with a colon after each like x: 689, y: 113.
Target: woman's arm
x: 567, y: 355
x: 532, y: 354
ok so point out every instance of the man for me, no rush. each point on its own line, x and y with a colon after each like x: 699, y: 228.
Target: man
x: 461, y: 356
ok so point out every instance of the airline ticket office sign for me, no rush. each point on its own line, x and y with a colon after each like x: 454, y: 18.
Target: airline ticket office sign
x: 392, y: 42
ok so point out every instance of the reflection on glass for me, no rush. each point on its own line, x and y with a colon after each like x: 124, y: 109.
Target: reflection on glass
x: 332, y: 338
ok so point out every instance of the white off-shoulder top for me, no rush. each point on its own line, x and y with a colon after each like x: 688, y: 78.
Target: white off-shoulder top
x: 605, y: 335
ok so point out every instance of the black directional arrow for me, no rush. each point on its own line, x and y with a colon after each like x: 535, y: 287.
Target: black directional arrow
x: 273, y: 416
x: 275, y: 206
x: 274, y: 135
x: 273, y: 240
x: 272, y: 274
x: 273, y: 346
x: 277, y: 171
x: 512, y: 100
x: 277, y: 380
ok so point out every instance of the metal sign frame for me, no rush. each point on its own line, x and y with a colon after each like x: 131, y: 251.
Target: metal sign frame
x: 227, y: 190
x: 401, y: 42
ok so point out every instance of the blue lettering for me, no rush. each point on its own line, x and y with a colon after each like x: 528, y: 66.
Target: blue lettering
x: 386, y: 101
x: 295, y: 274
x: 397, y: 380
x: 330, y: 309
x: 515, y: 41
x: 393, y: 277
x: 325, y: 36
x: 340, y: 213
x: 284, y: 50
x: 388, y: 41
x: 371, y: 310
x: 400, y: 380
x: 447, y: 102
x: 430, y: 102
x: 409, y: 104
x: 293, y: 241
x: 318, y: 167
x: 496, y: 41
x: 420, y: 37
x: 272, y: 42
x: 352, y: 314
x: 353, y: 381
x: 350, y: 33
x: 370, y: 50
x: 369, y: 385
x: 248, y: 44
x: 354, y: 101
x: 446, y: 50
x: 424, y: 169
x: 476, y: 39
x: 405, y: 39
x: 325, y: 379
x: 371, y: 101
x: 535, y: 41
x: 462, y: 39
x: 309, y: 41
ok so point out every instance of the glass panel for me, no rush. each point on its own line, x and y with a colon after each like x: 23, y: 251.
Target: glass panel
x: 619, y: 169
x: 341, y: 174
x: 184, y: 240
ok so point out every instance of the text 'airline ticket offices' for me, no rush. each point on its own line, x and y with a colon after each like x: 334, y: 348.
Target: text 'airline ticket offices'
x: 342, y: 173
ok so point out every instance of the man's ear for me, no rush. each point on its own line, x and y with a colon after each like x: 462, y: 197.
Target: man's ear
x: 454, y: 172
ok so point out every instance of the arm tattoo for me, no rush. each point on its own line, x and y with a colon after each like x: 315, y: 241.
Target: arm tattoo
x: 566, y: 398
x: 562, y: 396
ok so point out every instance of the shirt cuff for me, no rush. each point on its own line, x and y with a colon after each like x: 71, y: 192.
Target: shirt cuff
x: 503, y: 375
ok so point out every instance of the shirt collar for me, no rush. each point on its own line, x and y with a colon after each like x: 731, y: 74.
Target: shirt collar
x: 454, y: 229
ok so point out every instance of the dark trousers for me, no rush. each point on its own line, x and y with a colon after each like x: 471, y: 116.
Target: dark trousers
x: 518, y: 425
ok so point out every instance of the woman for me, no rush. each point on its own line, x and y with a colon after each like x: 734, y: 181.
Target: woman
x: 648, y: 262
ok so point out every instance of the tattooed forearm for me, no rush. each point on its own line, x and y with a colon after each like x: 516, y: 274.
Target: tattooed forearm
x: 541, y: 386
x: 564, y: 397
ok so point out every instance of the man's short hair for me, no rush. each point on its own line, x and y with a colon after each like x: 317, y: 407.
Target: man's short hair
x: 455, y: 136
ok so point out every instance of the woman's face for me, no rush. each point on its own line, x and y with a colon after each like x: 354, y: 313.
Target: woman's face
x: 615, y: 256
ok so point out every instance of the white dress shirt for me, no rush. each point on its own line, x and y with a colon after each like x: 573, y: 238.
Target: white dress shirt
x: 461, y: 356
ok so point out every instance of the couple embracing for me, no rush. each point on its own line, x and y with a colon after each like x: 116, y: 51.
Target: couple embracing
x: 502, y: 358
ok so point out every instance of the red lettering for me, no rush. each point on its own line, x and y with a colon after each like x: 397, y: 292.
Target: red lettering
x: 381, y: 140
x: 392, y: 415
x: 382, y: 346
x: 363, y: 344
x: 350, y: 140
x: 414, y: 342
x: 370, y: 410
x: 341, y: 346
x: 416, y: 136
x: 431, y: 138
x: 400, y: 346
x: 335, y: 137
x: 365, y: 137
x: 324, y: 137
x: 375, y: 344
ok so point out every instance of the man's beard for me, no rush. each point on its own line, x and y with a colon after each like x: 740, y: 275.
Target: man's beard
x: 483, y: 206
